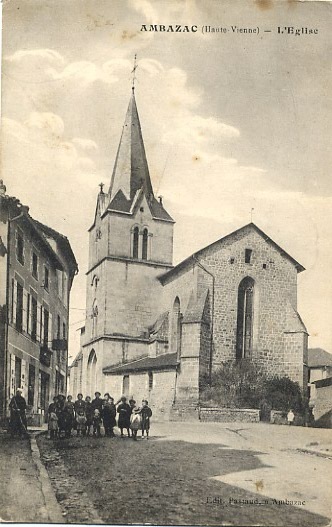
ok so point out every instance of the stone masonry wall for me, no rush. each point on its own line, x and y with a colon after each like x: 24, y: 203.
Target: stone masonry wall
x: 229, y: 415
x: 275, y: 284
x: 323, y: 406
x: 160, y: 397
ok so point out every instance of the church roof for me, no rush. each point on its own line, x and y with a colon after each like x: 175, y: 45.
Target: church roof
x: 168, y: 360
x: 189, y: 261
x: 318, y: 357
x: 121, y: 204
x: 131, y: 170
x: 131, y: 178
x: 77, y: 359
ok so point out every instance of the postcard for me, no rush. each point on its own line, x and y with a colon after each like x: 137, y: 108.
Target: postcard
x: 165, y: 262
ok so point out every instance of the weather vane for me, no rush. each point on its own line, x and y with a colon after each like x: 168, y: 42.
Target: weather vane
x: 134, y: 72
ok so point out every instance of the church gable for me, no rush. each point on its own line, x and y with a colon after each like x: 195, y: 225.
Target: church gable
x: 225, y: 248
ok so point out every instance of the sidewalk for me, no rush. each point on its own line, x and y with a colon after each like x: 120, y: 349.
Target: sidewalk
x: 25, y: 490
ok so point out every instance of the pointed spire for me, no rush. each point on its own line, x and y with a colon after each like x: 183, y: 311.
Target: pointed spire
x: 131, y: 171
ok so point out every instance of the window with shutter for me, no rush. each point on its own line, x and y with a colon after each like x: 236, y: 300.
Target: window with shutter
x: 34, y: 318
x: 14, y: 296
x: 39, y: 322
x: 28, y: 314
x: 12, y: 375
x: 25, y: 311
x: 45, y: 322
x: 19, y: 307
x: 23, y: 378
x: 50, y: 331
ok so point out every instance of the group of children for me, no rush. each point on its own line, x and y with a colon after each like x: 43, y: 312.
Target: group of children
x: 86, y: 416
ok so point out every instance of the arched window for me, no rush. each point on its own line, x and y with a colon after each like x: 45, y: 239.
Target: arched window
x: 125, y: 385
x: 91, y: 373
x: 245, y: 318
x: 94, y: 316
x: 135, y: 242
x: 176, y: 328
x: 145, y: 245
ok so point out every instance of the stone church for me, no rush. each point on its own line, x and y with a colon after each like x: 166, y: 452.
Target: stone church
x: 152, y: 329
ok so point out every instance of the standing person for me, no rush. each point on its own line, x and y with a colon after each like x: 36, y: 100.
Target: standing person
x: 96, y: 422
x: 97, y: 403
x: 80, y: 415
x: 146, y: 413
x: 108, y: 415
x: 135, y: 420
x: 52, y: 414
x: 88, y: 414
x: 124, y: 412
x: 18, y: 420
x: 79, y: 403
x: 290, y: 417
x: 70, y: 411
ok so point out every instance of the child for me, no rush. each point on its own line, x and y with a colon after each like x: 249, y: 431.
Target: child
x: 146, y: 413
x: 80, y: 422
x: 88, y: 414
x: 53, y: 425
x: 53, y: 419
x: 290, y: 417
x: 96, y: 422
x: 135, y: 420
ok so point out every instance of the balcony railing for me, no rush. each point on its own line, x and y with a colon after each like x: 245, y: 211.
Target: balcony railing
x: 60, y: 344
x: 45, y: 355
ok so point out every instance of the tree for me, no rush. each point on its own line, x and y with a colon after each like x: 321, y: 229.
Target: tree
x: 243, y: 384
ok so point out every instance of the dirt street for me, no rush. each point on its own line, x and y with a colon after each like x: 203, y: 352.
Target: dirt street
x: 246, y: 474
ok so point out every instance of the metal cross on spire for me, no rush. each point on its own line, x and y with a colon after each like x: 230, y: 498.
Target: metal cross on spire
x: 134, y: 72
x: 251, y: 214
x: 101, y: 185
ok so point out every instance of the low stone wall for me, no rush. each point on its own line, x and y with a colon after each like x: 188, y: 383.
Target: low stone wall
x: 229, y: 415
x: 278, y: 418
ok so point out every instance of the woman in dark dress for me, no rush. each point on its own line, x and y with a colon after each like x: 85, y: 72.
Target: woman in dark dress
x: 70, y: 411
x: 108, y: 415
x: 18, y: 420
x: 124, y: 412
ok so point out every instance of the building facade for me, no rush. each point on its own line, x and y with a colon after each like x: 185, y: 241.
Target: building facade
x: 320, y: 367
x: 37, y: 267
x: 154, y: 330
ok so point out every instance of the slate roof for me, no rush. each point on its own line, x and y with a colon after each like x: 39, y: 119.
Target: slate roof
x: 63, y: 243
x: 191, y: 259
x: 121, y: 204
x: 75, y: 362
x: 322, y: 383
x: 318, y: 357
x: 131, y: 171
x: 161, y: 362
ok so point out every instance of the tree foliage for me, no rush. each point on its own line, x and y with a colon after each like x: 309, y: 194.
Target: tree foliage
x: 243, y: 384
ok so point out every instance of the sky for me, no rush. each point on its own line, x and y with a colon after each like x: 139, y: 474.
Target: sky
x: 231, y: 122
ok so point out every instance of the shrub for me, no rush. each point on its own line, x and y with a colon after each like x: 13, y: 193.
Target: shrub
x: 243, y: 384
x: 235, y: 384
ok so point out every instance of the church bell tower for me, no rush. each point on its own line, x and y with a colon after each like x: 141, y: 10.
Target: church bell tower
x: 130, y: 245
